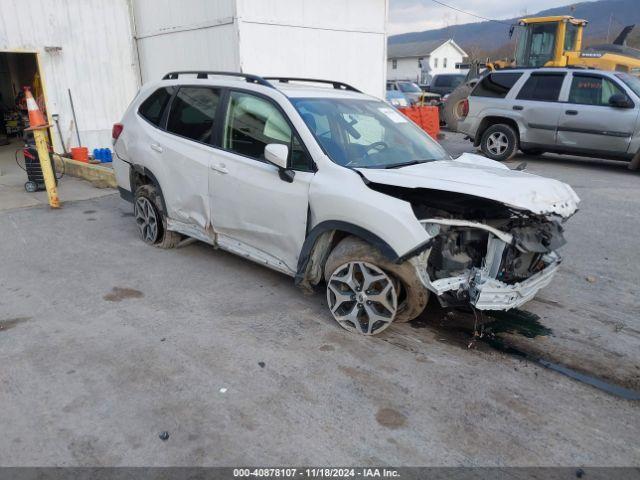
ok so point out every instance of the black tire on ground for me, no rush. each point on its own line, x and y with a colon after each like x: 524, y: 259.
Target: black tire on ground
x: 165, y: 238
x: 412, y: 296
x: 533, y: 151
x: 451, y: 108
x: 499, y: 142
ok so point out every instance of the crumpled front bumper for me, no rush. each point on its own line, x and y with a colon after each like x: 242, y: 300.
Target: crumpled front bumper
x: 480, y: 287
x: 491, y: 294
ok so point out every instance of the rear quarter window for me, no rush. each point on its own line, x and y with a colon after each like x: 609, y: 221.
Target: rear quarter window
x: 153, y: 107
x: 496, y: 85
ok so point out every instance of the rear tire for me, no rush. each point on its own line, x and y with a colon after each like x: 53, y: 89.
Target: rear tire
x: 152, y: 220
x: 412, y: 295
x: 451, y: 109
x: 499, y: 142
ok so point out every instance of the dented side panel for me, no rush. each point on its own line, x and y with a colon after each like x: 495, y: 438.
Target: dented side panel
x: 182, y: 168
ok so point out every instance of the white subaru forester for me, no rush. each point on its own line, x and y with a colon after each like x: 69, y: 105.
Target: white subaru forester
x: 323, y: 183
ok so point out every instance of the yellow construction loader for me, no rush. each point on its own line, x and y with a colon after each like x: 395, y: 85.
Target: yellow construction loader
x: 550, y: 42
x: 557, y: 42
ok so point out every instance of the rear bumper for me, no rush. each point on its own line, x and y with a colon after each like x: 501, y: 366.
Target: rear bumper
x: 491, y: 294
x: 468, y: 126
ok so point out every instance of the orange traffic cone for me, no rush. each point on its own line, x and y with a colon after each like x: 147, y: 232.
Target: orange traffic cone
x: 36, y: 118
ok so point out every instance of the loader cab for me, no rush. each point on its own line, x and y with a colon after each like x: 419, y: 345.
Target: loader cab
x: 544, y: 41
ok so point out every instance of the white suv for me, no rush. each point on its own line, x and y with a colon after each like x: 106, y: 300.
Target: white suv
x: 323, y: 183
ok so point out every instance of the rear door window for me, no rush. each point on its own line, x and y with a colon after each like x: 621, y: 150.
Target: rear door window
x: 193, y: 113
x: 542, y: 87
x: 153, y: 107
x: 496, y: 85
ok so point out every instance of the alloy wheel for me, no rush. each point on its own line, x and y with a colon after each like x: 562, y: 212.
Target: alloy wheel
x: 497, y: 143
x: 146, y: 219
x: 362, y: 298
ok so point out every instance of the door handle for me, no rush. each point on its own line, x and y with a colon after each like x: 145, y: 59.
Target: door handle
x: 571, y: 112
x: 222, y: 168
x: 518, y: 107
x: 156, y: 147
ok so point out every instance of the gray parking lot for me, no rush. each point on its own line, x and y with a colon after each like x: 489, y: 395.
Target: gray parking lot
x: 106, y: 342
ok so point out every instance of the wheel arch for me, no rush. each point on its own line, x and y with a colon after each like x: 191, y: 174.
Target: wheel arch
x: 140, y: 175
x: 321, y: 240
x: 492, y: 120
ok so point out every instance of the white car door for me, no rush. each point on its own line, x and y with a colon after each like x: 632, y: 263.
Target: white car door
x: 255, y: 212
x: 186, y: 151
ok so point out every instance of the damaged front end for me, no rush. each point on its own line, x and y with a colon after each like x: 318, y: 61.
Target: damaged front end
x: 490, y: 267
x: 483, y: 253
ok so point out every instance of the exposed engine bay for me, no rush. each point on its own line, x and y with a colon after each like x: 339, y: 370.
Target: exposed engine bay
x: 482, y: 252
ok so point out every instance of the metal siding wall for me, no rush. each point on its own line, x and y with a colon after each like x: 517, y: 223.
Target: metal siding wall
x: 207, y: 49
x: 153, y: 16
x: 334, y: 39
x: 360, y: 15
x: 186, y: 35
x: 97, y: 61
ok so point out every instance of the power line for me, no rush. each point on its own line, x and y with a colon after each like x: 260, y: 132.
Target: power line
x: 469, y: 13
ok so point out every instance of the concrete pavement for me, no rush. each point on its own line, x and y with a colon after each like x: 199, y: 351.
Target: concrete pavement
x: 13, y: 178
x: 105, y: 342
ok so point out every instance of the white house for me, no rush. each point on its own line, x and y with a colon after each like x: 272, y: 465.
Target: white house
x: 420, y: 61
x: 103, y: 50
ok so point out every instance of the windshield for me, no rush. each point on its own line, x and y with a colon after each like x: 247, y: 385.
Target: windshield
x: 366, y: 133
x: 570, y: 37
x: 409, y: 87
x: 632, y: 82
x: 536, y: 44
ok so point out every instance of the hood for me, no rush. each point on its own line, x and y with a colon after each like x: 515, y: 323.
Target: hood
x: 478, y: 176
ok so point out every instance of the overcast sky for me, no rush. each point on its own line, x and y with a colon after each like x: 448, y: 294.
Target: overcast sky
x: 418, y: 15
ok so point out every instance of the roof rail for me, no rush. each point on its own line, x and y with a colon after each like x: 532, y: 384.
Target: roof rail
x: 336, y: 85
x: 569, y: 67
x: 205, y: 74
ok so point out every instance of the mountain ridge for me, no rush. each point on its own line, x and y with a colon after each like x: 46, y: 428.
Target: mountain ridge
x: 484, y: 36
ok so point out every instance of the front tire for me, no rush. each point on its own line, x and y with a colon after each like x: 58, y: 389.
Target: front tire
x: 412, y: 296
x: 151, y: 218
x: 499, y: 142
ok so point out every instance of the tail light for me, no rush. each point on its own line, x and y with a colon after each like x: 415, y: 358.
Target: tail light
x: 116, y: 131
x: 27, y: 154
x: 463, y: 108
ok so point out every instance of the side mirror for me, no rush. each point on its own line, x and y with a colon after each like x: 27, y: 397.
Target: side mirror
x: 619, y: 100
x: 278, y: 154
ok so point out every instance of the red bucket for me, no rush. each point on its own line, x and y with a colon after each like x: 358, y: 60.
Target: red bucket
x: 81, y: 154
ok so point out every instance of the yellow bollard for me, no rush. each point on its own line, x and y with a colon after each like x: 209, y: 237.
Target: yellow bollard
x: 40, y: 135
x: 38, y: 126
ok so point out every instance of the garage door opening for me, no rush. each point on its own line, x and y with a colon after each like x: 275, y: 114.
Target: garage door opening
x: 18, y: 70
